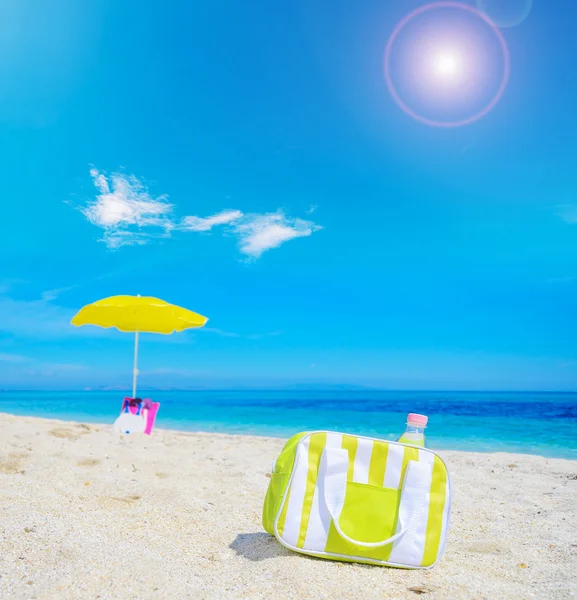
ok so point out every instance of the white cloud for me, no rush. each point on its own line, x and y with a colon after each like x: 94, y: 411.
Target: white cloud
x: 206, y: 224
x: 176, y: 371
x: 568, y: 213
x: 259, y: 233
x: 49, y: 295
x: 42, y: 370
x: 130, y: 216
x: 125, y: 210
x: 220, y: 332
x: 41, y: 319
x: 230, y: 334
x: 13, y: 358
x: 116, y: 239
x: 8, y: 284
x: 260, y: 336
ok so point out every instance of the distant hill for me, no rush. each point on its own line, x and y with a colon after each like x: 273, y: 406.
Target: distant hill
x: 346, y: 387
x: 232, y: 386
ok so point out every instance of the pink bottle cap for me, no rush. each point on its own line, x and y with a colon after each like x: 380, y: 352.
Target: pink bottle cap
x: 415, y: 418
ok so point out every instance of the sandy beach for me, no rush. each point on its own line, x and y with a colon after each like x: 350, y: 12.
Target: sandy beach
x: 88, y: 514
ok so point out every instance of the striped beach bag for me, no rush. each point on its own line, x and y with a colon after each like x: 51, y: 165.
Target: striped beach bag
x: 359, y: 499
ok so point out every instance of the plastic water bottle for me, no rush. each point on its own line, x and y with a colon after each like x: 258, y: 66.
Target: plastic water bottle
x: 415, y: 431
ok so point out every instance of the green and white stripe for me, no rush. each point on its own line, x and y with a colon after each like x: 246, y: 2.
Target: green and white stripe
x: 348, y: 494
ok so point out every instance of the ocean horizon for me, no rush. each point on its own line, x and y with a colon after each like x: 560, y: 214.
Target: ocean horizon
x: 539, y: 423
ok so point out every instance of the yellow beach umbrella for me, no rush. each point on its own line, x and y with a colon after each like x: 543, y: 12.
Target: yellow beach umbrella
x: 137, y: 314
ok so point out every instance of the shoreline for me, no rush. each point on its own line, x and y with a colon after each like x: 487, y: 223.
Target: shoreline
x: 88, y: 513
x: 266, y: 436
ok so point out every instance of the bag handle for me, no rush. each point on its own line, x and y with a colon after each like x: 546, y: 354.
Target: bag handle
x: 334, y: 467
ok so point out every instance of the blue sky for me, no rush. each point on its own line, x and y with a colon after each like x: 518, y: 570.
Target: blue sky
x: 246, y: 161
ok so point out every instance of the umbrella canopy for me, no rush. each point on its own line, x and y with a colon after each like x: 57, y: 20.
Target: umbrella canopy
x: 138, y: 314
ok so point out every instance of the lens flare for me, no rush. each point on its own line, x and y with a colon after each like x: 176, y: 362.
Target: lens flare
x: 506, y: 13
x: 447, y: 57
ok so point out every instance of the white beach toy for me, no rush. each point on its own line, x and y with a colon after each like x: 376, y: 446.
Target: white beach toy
x: 131, y: 422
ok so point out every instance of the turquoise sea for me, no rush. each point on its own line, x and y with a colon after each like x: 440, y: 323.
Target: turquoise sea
x: 533, y: 423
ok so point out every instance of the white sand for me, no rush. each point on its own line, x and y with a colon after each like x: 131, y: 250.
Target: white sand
x: 87, y: 514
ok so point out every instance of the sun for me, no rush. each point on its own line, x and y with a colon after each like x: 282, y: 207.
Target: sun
x: 446, y: 64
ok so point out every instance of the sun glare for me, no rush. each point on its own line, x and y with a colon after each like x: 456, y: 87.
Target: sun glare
x: 446, y: 58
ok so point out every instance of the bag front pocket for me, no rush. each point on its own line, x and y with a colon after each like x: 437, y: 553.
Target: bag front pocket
x: 369, y: 515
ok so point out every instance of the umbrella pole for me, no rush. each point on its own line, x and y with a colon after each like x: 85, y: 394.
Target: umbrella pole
x: 135, y: 371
